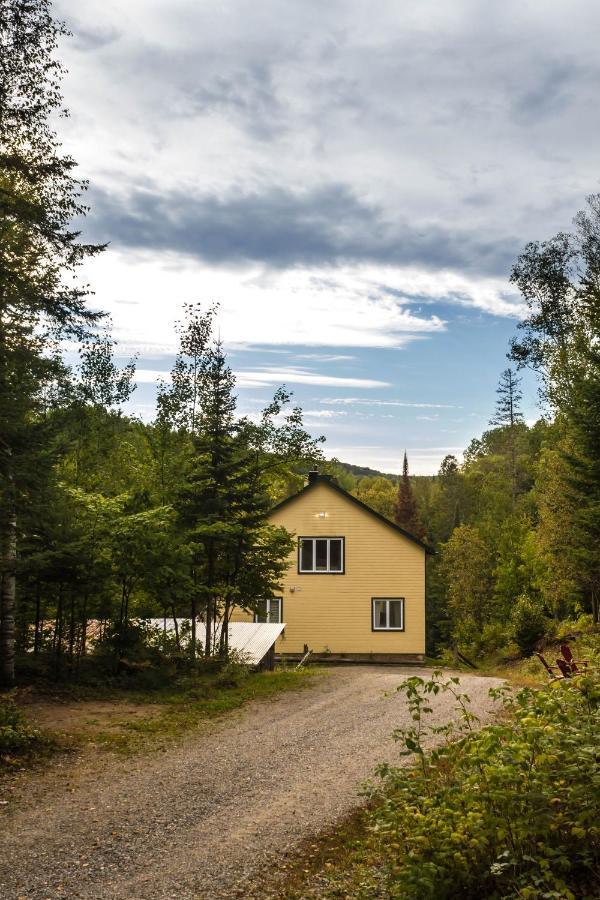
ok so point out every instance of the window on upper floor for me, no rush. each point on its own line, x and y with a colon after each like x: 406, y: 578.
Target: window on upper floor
x: 321, y: 555
x: 387, y: 613
x: 269, y: 610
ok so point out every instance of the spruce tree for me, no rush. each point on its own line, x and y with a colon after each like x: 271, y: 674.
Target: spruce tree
x: 238, y: 558
x: 40, y: 302
x: 406, y: 511
x: 508, y: 416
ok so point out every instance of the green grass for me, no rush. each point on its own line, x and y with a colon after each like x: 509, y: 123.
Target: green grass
x: 187, y: 708
x: 176, y: 709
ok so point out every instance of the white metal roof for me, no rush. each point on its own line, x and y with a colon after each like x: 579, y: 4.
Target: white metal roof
x: 252, y: 640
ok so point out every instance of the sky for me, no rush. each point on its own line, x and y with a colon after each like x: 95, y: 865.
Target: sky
x: 350, y: 182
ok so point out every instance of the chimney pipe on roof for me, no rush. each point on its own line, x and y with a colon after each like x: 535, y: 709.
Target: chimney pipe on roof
x: 313, y: 475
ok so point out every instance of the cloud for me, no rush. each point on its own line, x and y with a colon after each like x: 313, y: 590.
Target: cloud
x: 282, y: 310
x: 323, y: 357
x: 423, y: 137
x: 257, y: 377
x: 281, y: 227
x: 267, y: 376
x: 362, y: 401
x: 323, y: 413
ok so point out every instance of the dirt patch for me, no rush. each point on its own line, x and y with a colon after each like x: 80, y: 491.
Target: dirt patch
x: 209, y: 816
x: 87, y: 717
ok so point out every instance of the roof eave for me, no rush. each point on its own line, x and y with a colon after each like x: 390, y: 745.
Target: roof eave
x: 329, y: 483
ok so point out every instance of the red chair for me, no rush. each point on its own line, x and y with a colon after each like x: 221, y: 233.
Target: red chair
x: 565, y: 668
x: 573, y: 663
x: 551, y: 670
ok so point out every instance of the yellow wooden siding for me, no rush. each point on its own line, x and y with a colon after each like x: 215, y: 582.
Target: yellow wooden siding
x: 333, y: 612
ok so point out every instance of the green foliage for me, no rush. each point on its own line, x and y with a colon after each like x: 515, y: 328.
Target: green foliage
x: 466, y: 563
x: 406, y: 511
x: 529, y: 623
x: 16, y: 736
x: 506, y: 811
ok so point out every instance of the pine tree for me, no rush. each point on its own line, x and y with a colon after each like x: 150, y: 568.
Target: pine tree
x: 406, y: 512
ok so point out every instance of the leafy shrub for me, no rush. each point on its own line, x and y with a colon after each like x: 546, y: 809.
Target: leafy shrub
x: 529, y: 623
x: 494, y: 637
x: 15, y: 734
x: 584, y: 624
x: 507, y: 811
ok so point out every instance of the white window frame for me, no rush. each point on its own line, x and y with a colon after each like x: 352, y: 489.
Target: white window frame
x: 268, y: 602
x: 387, y: 601
x: 328, y: 570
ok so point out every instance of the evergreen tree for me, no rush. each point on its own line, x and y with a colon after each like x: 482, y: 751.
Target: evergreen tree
x: 406, y: 512
x: 508, y: 412
x: 508, y: 416
x: 225, y: 500
x: 238, y: 558
x: 39, y: 300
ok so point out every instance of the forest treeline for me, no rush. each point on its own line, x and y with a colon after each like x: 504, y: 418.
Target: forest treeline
x: 105, y: 519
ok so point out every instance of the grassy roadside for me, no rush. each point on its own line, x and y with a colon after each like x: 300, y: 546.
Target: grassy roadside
x: 183, y: 709
x: 131, y: 720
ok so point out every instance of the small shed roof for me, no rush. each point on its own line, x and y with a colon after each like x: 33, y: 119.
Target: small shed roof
x: 253, y: 639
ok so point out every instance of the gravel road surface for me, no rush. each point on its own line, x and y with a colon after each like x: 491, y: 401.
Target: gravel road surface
x: 207, y: 818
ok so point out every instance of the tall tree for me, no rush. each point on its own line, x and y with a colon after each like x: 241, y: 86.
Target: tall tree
x: 508, y: 416
x: 39, y: 253
x: 406, y: 511
x: 238, y: 557
x: 560, y: 281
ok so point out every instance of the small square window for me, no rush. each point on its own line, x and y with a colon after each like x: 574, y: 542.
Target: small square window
x: 387, y: 613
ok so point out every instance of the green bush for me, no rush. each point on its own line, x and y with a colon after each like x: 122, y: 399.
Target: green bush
x: 15, y: 734
x: 510, y: 810
x: 529, y: 624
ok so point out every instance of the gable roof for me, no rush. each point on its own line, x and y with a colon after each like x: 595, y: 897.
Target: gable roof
x: 326, y: 480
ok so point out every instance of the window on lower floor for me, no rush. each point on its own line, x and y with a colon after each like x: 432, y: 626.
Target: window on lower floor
x: 321, y: 555
x: 388, y: 613
x: 269, y: 610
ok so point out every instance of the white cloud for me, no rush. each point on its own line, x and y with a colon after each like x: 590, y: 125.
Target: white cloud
x: 152, y: 376
x: 363, y: 401
x: 252, y: 378
x: 294, y: 307
x: 323, y: 357
x: 264, y: 377
x: 324, y: 413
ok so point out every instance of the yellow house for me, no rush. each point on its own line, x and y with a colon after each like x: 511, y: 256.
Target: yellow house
x: 355, y: 586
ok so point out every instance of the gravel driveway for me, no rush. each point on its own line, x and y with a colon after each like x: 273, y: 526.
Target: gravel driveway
x: 207, y: 817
